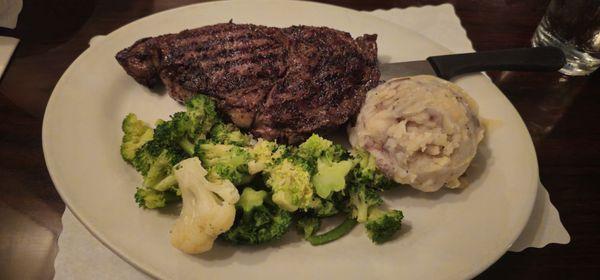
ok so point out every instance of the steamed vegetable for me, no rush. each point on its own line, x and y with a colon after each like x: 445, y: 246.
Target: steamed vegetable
x: 323, y: 208
x: 136, y: 134
x: 160, y: 173
x: 290, y: 183
x: 314, y: 147
x: 208, y: 208
x: 263, y: 154
x: 224, y: 161
x: 317, y: 148
x: 201, y: 110
x: 382, y: 225
x: 367, y: 173
x: 308, y: 226
x: 197, y: 158
x: 229, y: 134
x: 331, y: 176
x: 150, y: 198
x: 362, y: 199
x: 185, y: 129
x: 260, y: 221
x: 334, y: 234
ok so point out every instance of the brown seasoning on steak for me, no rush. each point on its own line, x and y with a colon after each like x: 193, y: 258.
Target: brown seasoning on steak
x: 280, y: 83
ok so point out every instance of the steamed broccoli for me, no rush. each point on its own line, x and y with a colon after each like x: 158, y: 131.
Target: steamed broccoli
x: 361, y: 201
x: 336, y: 153
x: 308, y: 226
x: 382, y: 225
x: 145, y: 156
x: 251, y: 199
x: 229, y: 134
x: 137, y: 133
x: 366, y: 172
x: 263, y: 154
x: 258, y: 221
x: 150, y: 198
x: 186, y: 128
x: 314, y: 147
x: 331, y: 176
x: 322, y: 208
x: 174, y: 132
x: 315, y: 180
x: 225, y: 162
x: 160, y: 174
x: 291, y: 185
x: 202, y: 112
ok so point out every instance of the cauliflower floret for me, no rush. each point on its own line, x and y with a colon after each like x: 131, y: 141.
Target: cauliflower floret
x: 208, y: 208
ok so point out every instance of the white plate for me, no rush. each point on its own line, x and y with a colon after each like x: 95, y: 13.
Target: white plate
x: 447, y: 235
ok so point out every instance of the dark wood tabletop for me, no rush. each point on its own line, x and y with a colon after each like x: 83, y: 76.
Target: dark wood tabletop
x: 562, y: 114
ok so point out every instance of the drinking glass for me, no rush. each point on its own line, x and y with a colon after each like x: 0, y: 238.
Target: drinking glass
x: 574, y: 27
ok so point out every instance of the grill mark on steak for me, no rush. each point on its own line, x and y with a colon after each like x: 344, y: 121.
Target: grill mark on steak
x: 281, y: 83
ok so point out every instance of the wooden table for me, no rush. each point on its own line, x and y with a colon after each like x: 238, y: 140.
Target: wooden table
x: 562, y: 114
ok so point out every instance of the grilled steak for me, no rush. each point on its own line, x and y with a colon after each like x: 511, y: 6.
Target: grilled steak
x: 280, y: 83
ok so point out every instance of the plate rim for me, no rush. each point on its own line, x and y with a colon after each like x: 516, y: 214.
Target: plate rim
x: 50, y: 164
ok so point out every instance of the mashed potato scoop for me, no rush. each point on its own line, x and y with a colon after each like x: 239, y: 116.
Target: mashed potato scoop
x: 422, y: 130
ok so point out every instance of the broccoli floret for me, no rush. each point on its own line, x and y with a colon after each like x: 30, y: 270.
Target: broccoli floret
x: 185, y: 129
x: 307, y: 164
x: 160, y: 174
x: 175, y: 132
x: 291, y: 185
x: 308, y: 226
x: 314, y: 147
x: 136, y: 134
x: 146, y: 155
x: 362, y: 199
x: 251, y: 198
x: 262, y: 155
x: 336, y: 153
x: 265, y: 153
x: 322, y: 208
x: 382, y: 225
x: 212, y: 154
x: 330, y: 176
x: 259, y: 221
x: 225, y: 162
x: 229, y: 134
x: 366, y: 172
x: 150, y: 198
x: 203, y: 115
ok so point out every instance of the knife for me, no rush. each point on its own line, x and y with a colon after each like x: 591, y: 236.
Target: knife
x: 449, y: 66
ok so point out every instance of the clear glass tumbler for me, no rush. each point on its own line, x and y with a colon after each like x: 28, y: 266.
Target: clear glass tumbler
x: 573, y: 26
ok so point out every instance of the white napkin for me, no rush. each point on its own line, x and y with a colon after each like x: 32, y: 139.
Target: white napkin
x: 7, y: 47
x: 78, y: 249
x: 9, y: 12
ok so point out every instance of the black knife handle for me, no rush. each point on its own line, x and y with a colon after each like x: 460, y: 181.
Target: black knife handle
x: 526, y: 59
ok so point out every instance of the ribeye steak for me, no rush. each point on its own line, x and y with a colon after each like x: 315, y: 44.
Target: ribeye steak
x: 280, y: 83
